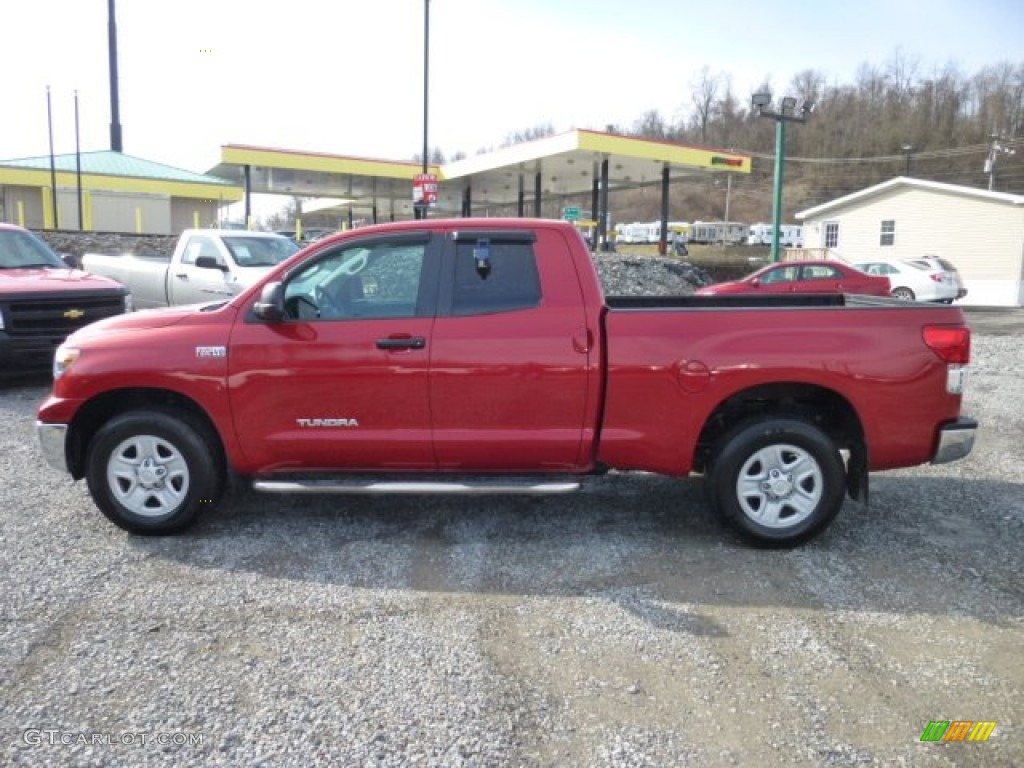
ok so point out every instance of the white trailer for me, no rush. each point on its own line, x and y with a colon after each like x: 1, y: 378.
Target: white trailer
x: 790, y: 235
x: 728, y: 232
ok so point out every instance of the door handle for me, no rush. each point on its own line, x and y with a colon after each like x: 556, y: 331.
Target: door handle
x: 402, y: 342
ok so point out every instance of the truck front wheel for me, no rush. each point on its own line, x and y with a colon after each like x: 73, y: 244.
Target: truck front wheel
x: 153, y: 472
x: 777, y: 481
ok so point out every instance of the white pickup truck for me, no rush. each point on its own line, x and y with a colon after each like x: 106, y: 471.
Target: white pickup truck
x: 207, y: 265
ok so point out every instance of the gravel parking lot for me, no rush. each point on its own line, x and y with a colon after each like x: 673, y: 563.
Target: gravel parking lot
x: 618, y: 627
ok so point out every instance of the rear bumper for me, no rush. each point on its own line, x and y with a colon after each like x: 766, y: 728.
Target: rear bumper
x: 956, y: 440
x: 53, y: 441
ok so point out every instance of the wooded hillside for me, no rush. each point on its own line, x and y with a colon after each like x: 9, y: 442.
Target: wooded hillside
x: 944, y: 123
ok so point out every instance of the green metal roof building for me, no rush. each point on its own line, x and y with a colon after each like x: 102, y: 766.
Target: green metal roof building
x: 109, y: 192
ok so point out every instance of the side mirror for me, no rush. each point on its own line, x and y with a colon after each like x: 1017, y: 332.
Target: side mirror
x: 209, y: 262
x: 756, y: 282
x: 270, y: 306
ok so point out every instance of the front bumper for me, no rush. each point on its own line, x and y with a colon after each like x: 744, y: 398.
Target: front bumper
x: 955, y: 440
x: 53, y: 441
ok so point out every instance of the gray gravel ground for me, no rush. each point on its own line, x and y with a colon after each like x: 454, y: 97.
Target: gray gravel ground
x: 618, y: 627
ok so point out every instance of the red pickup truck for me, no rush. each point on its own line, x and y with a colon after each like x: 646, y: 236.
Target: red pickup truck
x: 42, y: 300
x: 480, y: 356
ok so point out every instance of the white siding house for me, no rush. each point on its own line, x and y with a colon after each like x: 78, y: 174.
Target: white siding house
x: 981, y: 232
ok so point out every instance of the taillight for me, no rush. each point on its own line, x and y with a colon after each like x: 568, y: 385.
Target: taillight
x: 936, y: 277
x: 952, y: 343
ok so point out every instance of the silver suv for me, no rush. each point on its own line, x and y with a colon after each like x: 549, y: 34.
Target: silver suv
x: 937, y: 262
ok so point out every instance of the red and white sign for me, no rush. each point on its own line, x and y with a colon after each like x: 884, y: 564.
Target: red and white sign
x: 424, y: 188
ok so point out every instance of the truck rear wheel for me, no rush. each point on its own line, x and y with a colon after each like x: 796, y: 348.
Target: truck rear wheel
x: 778, y: 481
x: 153, y: 472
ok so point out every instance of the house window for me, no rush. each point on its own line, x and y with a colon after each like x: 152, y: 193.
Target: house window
x: 831, y: 234
x: 888, y: 236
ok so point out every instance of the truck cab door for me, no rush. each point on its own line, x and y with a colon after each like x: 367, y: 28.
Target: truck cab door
x: 340, y: 383
x: 189, y: 283
x: 513, y: 380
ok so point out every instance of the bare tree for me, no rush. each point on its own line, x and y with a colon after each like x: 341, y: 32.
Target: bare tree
x: 539, y: 131
x: 704, y: 96
x: 651, y: 125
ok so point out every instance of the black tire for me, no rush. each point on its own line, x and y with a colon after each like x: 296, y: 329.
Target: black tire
x: 904, y: 293
x: 154, y: 472
x: 778, y: 481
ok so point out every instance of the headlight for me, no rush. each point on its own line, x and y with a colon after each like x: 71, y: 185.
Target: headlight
x: 2, y: 326
x: 63, y: 359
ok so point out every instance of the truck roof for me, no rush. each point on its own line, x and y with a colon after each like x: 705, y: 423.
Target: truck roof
x: 507, y: 222
x: 231, y: 232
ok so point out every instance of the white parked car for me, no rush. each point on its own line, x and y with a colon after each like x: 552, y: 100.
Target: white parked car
x: 914, y: 280
x: 937, y: 262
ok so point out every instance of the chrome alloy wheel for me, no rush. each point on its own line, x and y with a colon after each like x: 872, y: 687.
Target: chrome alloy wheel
x: 148, y: 476
x: 779, y: 486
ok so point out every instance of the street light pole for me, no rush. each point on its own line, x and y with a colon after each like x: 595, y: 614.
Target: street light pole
x: 420, y: 207
x: 786, y: 114
x: 780, y: 151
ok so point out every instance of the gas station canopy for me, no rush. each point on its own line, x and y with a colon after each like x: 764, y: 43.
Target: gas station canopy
x: 573, y: 163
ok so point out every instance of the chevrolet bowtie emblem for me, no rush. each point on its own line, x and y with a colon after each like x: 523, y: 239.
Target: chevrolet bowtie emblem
x: 74, y: 314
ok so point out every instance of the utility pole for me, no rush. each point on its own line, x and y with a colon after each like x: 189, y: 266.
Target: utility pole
x: 420, y: 207
x: 53, y: 167
x: 728, y: 194
x: 116, y: 143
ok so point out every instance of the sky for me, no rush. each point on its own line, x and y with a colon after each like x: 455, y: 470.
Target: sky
x: 346, y: 76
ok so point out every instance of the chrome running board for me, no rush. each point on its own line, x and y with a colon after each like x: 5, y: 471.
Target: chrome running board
x: 523, y: 486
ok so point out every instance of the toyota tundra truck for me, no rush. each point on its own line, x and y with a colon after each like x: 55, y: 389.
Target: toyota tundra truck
x: 481, y: 356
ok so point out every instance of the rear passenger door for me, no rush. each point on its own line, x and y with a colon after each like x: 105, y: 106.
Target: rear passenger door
x: 510, y: 356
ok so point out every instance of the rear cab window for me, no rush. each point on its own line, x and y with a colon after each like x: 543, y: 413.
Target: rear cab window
x: 493, y: 272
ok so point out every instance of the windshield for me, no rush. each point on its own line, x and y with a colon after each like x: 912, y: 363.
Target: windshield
x: 20, y: 250
x: 259, y: 251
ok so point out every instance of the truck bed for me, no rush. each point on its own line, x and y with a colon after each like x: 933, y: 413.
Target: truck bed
x: 145, y: 276
x: 672, y: 361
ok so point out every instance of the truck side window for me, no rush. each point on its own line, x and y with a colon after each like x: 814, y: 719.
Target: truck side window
x: 200, y: 246
x: 381, y: 280
x: 512, y: 283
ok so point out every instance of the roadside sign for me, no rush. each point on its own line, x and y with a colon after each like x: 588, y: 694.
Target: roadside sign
x: 424, y: 188
x: 571, y: 213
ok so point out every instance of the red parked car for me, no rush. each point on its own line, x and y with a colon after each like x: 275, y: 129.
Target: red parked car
x: 804, y: 277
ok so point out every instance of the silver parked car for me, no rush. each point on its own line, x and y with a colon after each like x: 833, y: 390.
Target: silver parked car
x: 913, y: 280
